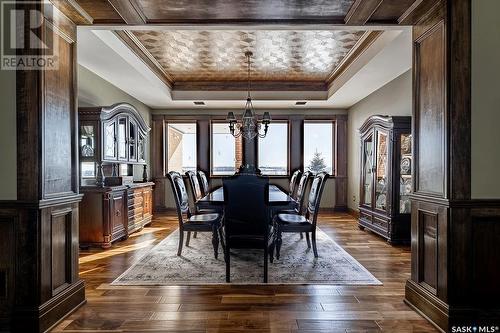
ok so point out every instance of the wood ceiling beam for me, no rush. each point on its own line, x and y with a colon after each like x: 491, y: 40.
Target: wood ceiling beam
x: 361, y: 11
x: 129, y: 39
x: 418, y: 11
x: 73, y: 11
x: 361, y: 46
x: 256, y: 86
x: 129, y: 11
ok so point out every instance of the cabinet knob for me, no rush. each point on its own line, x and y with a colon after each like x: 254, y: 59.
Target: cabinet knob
x: 118, y: 213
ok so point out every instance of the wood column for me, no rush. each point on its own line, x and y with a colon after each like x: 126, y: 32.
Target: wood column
x: 455, y: 258
x: 158, y: 162
x: 340, y: 173
x: 39, y: 251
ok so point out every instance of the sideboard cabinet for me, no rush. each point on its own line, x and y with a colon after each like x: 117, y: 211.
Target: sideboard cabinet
x: 386, y: 177
x: 112, y: 140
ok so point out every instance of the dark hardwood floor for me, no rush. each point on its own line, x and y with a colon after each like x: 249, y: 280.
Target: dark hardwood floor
x: 287, y: 308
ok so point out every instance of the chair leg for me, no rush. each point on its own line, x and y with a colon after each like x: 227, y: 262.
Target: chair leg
x: 265, y: 263
x: 278, y: 243
x: 215, y: 240
x: 181, y: 240
x: 308, y: 241
x: 301, y: 236
x: 315, y: 250
x: 228, y: 264
x: 188, y: 238
x: 271, y: 251
x: 222, y: 242
x: 195, y: 234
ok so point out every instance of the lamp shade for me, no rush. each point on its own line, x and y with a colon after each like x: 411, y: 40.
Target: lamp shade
x: 266, y: 118
x: 231, y: 117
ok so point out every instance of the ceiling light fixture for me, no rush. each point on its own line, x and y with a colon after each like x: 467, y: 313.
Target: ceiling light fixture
x: 249, y: 126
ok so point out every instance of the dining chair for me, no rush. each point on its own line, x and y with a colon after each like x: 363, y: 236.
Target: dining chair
x: 205, y: 187
x: 305, y: 222
x: 196, y: 194
x: 246, y: 217
x: 189, y: 222
x: 293, y: 183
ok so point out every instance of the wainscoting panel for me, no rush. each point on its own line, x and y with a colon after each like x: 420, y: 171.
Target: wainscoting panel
x: 485, y: 237
x: 61, y: 249
x: 7, y: 253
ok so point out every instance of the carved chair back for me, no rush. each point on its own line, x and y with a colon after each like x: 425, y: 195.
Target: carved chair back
x: 195, y: 185
x: 293, y: 183
x: 180, y: 196
x: 315, y: 195
x: 203, y: 182
x: 301, y: 189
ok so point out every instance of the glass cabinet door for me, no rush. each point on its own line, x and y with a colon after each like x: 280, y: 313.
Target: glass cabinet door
x: 132, y: 141
x: 367, y: 171
x: 141, y: 148
x: 405, y: 186
x: 87, y: 141
x: 109, y: 138
x: 381, y: 172
x: 122, y: 138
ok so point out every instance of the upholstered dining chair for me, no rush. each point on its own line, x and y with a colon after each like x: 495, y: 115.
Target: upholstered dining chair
x: 246, y: 217
x: 196, y: 194
x: 305, y: 222
x: 189, y: 222
x: 205, y: 187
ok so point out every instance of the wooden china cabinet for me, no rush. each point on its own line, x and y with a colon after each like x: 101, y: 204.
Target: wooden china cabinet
x: 386, y: 177
x: 112, y: 141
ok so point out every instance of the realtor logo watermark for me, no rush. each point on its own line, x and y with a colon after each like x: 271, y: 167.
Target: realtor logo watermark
x: 22, y: 44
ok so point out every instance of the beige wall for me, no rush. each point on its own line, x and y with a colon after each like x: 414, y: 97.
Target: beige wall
x: 95, y: 91
x: 395, y: 99
x: 485, y: 99
x: 8, y: 166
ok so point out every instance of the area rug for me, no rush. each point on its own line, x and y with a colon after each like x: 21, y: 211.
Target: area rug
x: 197, y: 265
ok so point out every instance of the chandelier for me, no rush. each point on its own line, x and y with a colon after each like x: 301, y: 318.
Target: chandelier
x: 249, y: 126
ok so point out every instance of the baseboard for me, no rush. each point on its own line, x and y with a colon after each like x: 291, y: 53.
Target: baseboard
x: 428, y: 305
x: 342, y: 209
x: 354, y: 213
x: 44, y: 317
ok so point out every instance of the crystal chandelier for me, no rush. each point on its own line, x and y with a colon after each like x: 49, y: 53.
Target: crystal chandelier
x: 249, y: 126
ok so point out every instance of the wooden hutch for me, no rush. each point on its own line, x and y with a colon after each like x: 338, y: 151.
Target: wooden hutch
x: 386, y: 177
x: 112, y: 144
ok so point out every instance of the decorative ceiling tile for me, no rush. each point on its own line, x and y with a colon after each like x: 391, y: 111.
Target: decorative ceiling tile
x: 278, y: 55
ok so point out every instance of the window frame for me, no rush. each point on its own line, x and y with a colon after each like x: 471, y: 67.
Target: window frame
x: 180, y: 121
x: 288, y: 148
x: 334, y: 142
x: 211, y: 152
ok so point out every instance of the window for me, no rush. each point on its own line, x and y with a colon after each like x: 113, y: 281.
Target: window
x: 226, y: 150
x: 181, y: 149
x: 318, y: 146
x: 273, y: 151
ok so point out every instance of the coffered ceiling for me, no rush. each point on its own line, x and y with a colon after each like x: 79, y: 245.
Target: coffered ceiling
x: 302, y: 49
x: 307, y: 56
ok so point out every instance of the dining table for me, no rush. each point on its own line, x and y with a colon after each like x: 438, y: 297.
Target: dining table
x: 277, y: 197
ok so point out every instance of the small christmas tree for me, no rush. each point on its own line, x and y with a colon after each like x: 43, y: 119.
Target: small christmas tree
x: 317, y: 163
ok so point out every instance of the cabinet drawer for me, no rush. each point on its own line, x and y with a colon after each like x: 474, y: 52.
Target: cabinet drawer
x: 381, y: 223
x: 366, y: 217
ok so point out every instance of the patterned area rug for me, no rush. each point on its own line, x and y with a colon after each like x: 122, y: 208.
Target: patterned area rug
x: 197, y: 265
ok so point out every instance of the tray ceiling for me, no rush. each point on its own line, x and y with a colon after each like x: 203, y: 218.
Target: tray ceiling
x: 278, y: 55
